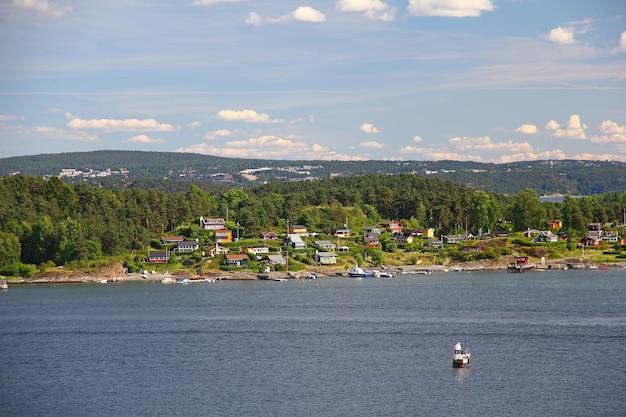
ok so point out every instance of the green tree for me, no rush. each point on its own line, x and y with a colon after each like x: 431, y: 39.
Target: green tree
x: 10, y: 249
x: 527, y: 211
x: 482, y: 211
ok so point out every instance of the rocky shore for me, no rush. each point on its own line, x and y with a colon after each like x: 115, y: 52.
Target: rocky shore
x: 115, y: 273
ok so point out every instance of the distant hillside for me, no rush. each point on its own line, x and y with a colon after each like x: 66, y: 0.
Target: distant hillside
x: 111, y: 168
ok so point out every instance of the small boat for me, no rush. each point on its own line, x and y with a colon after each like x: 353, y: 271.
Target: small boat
x: 101, y: 281
x: 183, y: 281
x: 423, y: 272
x: 168, y: 280
x: 385, y: 274
x: 4, y: 285
x: 358, y: 272
x: 311, y: 275
x: 461, y: 356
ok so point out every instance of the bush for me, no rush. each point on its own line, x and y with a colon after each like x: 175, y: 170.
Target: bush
x: 27, y: 270
x: 12, y: 270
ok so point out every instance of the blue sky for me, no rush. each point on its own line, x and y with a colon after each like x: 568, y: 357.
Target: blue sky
x: 481, y: 80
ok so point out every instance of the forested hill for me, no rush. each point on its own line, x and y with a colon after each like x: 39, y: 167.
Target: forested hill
x: 149, y: 169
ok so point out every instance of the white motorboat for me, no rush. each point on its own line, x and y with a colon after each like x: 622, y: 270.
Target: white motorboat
x: 461, y: 357
x: 358, y: 272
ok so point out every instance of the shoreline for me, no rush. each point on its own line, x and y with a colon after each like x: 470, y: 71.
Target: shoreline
x: 59, y: 277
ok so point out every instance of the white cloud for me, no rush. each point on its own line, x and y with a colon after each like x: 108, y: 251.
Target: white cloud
x: 47, y: 132
x: 449, y: 8
x: 369, y: 128
x: 372, y: 9
x: 621, y: 46
x: 373, y: 145
x: 565, y: 34
x: 527, y: 129
x: 194, y: 124
x: 301, y: 14
x: 575, y: 128
x: 552, y: 125
x: 417, y: 139
x: 8, y: 118
x: 484, y: 144
x: 113, y: 125
x: 43, y: 6
x: 438, y: 154
x: 246, y: 115
x: 254, y: 19
x: 613, y: 133
x: 211, y: 2
x: 562, y: 35
x: 143, y: 139
x: 271, y: 147
x: 221, y: 133
x: 308, y: 14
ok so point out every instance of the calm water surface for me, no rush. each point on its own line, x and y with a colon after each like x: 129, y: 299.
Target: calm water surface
x: 543, y: 344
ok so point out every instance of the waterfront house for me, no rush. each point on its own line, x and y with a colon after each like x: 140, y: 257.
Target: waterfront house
x: 277, y: 259
x: 555, y: 224
x: 437, y: 244
x: 609, y: 236
x: 371, y: 229
x: 595, y: 227
x: 258, y: 249
x: 325, y: 258
x: 371, y: 239
x: 452, y: 239
x: 216, y: 250
x: 212, y: 224
x: 236, y: 259
x: 325, y: 244
x: 391, y: 225
x: 590, y: 240
x: 402, y: 238
x: 425, y: 233
x: 295, y: 241
x: 472, y: 249
x: 546, y: 236
x: 159, y: 256
x: 298, y: 229
x: 269, y: 236
x: 187, y: 246
x: 171, y: 240
x: 223, y: 236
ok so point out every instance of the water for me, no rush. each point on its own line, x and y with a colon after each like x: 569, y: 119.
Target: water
x: 543, y: 344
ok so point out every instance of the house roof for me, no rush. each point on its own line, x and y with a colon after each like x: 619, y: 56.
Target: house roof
x: 236, y: 257
x: 295, y: 238
x: 173, y: 238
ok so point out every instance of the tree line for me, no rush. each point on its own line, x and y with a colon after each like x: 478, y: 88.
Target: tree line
x: 49, y: 222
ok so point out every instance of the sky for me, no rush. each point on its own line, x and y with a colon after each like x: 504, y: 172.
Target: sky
x: 470, y: 80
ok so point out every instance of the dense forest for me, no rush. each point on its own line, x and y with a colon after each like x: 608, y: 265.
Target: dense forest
x: 155, y: 170
x: 49, y: 222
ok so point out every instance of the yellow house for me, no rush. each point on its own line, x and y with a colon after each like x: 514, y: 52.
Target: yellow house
x: 297, y: 229
x: 428, y: 233
x: 555, y: 224
x: 223, y: 236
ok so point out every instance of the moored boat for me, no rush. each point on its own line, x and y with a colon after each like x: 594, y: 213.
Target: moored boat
x: 358, y: 272
x: 461, y: 357
x: 4, y: 285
